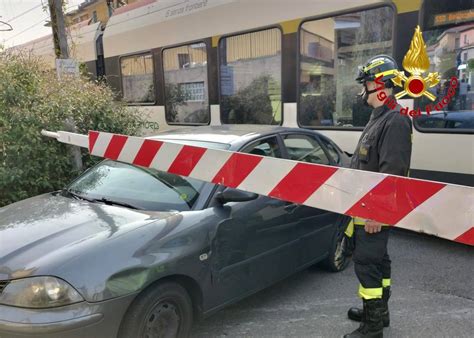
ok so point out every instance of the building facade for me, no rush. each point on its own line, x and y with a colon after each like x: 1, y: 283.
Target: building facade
x: 96, y: 10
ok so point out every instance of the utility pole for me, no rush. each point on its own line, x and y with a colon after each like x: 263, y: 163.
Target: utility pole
x: 59, y: 29
x: 62, y: 52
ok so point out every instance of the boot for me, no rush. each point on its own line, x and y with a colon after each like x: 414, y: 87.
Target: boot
x: 371, y: 325
x: 355, y: 313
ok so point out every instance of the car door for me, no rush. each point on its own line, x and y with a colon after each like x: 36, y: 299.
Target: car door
x: 256, y: 245
x: 314, y: 226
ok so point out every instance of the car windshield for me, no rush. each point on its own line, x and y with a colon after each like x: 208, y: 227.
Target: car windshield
x: 124, y: 184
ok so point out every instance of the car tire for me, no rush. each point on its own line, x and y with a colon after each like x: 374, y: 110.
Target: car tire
x: 164, y: 310
x: 337, y: 259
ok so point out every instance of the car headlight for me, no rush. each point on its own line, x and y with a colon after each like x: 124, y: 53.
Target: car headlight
x: 39, y: 292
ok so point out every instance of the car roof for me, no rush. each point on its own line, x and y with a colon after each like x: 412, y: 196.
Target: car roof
x: 227, y: 134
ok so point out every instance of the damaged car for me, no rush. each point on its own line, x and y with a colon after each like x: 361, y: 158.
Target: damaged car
x: 129, y: 251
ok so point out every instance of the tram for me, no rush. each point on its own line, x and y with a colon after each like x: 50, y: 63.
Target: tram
x: 291, y: 63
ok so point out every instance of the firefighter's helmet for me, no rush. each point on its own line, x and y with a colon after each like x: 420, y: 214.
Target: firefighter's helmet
x: 380, y: 65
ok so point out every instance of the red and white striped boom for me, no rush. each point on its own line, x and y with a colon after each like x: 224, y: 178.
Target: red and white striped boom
x: 440, y: 209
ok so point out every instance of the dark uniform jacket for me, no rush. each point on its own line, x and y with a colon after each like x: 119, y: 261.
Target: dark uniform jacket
x: 385, y: 143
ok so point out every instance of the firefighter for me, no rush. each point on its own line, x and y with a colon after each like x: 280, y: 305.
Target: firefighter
x: 385, y: 147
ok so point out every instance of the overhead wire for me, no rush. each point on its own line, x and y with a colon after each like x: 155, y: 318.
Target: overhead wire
x: 7, y: 24
x: 26, y: 29
x: 10, y: 28
x: 25, y: 12
x: 30, y: 27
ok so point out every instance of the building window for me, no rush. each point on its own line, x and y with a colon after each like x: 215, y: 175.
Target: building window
x: 137, y: 78
x: 331, y: 49
x: 194, y: 91
x: 184, y: 60
x: 250, y: 78
x: 186, y: 84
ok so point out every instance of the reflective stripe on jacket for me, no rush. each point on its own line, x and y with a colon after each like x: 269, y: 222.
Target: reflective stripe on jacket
x: 356, y: 221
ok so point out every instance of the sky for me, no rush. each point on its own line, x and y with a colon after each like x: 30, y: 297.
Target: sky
x: 27, y: 19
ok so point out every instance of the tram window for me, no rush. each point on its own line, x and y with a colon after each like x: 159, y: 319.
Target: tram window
x: 137, y: 78
x: 331, y: 49
x: 448, y: 31
x: 250, y: 78
x: 186, y: 94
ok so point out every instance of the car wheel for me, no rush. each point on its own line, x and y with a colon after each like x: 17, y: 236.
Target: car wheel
x: 163, y: 311
x: 337, y: 259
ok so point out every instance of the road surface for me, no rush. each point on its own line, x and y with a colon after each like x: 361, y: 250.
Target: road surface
x: 433, y: 296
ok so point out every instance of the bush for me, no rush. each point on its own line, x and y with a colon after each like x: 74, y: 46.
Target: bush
x: 32, y: 99
x: 251, y: 104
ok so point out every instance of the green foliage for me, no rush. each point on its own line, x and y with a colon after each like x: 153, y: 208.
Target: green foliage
x: 32, y: 99
x: 175, y: 98
x: 251, y: 104
x: 470, y: 64
x: 316, y: 106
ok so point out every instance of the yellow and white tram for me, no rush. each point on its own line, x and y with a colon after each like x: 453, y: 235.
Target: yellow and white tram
x: 291, y: 63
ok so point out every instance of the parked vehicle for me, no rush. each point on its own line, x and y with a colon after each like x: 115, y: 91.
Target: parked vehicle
x: 443, y: 121
x: 134, y: 252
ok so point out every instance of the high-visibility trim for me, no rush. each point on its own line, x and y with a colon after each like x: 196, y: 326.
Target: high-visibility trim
x: 370, y: 293
x: 387, y: 72
x: 361, y: 222
x: 375, y: 64
x: 350, y: 229
x: 386, y: 282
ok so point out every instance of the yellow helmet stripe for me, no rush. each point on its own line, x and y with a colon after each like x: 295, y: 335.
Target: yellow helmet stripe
x: 375, y: 64
x: 387, y: 72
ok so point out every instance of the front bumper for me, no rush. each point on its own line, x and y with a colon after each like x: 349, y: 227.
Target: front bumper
x: 101, y: 319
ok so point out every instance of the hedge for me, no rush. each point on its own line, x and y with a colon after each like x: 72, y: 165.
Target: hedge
x: 32, y: 99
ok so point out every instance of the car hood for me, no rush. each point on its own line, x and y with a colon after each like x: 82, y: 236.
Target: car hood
x: 51, y: 229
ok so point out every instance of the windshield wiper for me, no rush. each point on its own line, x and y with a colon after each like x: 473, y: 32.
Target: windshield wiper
x: 103, y: 200
x: 112, y: 202
x: 77, y: 196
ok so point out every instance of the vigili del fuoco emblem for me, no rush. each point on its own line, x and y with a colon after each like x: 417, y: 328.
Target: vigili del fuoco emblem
x: 416, y: 62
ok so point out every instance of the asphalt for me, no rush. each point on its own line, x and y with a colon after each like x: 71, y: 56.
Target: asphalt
x: 433, y: 296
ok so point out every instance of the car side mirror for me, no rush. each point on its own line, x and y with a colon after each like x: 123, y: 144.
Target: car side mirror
x: 235, y: 195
